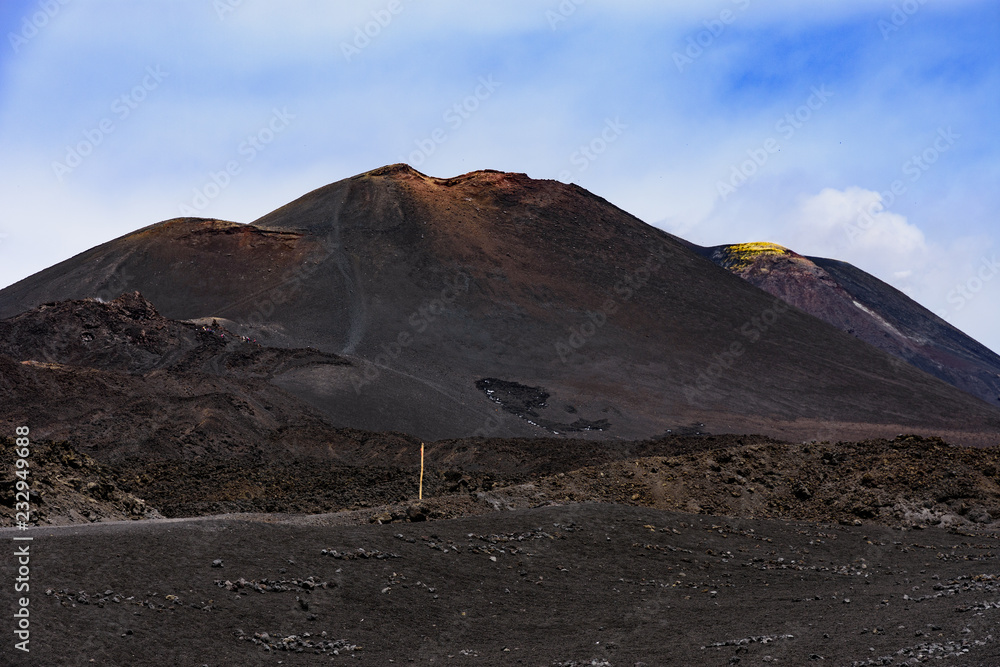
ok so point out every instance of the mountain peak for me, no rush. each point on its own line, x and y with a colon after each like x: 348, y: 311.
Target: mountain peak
x: 431, y: 286
x: 135, y: 305
x: 739, y: 256
x: 398, y: 169
x: 478, y: 176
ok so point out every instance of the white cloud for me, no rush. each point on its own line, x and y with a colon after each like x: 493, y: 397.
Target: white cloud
x: 854, y: 223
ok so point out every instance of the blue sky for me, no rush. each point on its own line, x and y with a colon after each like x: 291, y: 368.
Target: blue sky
x: 861, y: 130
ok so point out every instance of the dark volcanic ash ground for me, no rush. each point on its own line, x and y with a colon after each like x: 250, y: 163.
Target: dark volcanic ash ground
x: 892, y: 562
x: 582, y: 584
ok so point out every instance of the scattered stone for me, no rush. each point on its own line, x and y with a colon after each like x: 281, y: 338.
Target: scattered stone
x: 927, y: 651
x: 417, y: 513
x: 360, y: 552
x: 299, y: 643
x: 273, y: 586
x: 757, y: 639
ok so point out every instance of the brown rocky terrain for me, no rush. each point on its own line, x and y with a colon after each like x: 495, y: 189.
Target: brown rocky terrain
x: 872, y: 553
x: 118, y: 379
x: 68, y: 487
x: 909, y: 481
x: 905, y: 482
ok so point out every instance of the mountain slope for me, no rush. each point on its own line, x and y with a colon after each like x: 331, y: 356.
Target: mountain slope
x: 119, y: 380
x: 869, y: 309
x: 494, y: 304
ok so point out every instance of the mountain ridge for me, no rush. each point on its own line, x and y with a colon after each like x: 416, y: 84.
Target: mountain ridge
x: 428, y: 286
x: 869, y: 309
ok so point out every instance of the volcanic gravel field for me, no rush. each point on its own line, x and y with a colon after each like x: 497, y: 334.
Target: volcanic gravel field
x: 895, y: 563
x: 580, y: 584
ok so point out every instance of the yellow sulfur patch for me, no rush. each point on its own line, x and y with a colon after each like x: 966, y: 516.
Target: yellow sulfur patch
x: 739, y: 256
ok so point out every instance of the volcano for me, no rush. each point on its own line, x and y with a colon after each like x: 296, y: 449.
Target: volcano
x: 867, y: 308
x: 266, y: 387
x: 493, y: 304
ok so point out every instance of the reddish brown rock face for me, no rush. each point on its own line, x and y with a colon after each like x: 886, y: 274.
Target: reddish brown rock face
x: 868, y: 309
x: 427, y: 286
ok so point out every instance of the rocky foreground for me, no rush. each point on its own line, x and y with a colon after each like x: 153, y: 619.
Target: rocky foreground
x: 908, y: 482
x: 692, y: 550
x: 578, y: 584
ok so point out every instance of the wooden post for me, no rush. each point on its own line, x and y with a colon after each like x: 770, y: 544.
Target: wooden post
x: 420, y: 495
